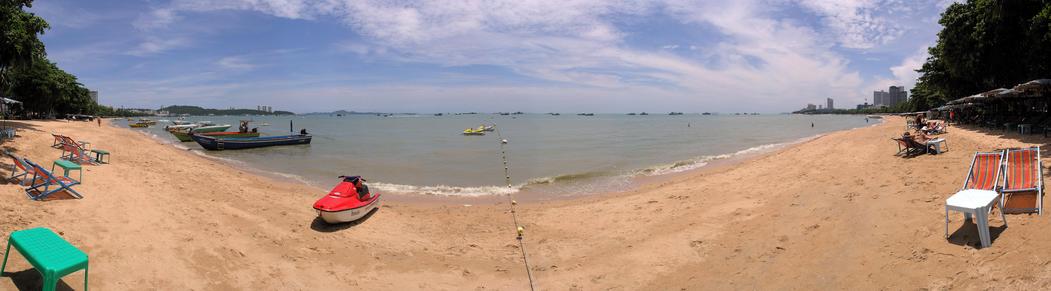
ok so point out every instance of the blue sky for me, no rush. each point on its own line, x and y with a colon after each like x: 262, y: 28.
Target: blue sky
x: 494, y: 55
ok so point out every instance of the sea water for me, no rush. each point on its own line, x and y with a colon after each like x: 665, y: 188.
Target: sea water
x: 563, y: 155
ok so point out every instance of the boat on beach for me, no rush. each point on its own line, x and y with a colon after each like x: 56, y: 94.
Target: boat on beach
x: 139, y: 125
x: 347, y: 201
x: 234, y: 143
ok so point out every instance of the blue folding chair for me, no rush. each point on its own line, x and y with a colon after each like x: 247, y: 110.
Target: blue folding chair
x: 47, y: 180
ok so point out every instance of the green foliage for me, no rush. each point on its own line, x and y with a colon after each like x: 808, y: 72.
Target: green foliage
x: 117, y: 112
x: 25, y: 72
x: 194, y: 110
x: 19, y: 44
x: 984, y: 45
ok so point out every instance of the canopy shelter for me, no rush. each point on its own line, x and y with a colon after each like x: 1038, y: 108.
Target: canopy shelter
x: 5, y: 103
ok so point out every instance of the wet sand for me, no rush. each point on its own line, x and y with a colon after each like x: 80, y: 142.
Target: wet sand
x: 837, y: 212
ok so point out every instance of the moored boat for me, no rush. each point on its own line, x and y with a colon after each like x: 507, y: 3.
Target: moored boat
x: 214, y: 143
x: 350, y: 200
x: 183, y: 134
x: 139, y: 125
x: 472, y: 131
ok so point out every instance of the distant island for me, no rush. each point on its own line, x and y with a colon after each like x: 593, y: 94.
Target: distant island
x: 198, y: 111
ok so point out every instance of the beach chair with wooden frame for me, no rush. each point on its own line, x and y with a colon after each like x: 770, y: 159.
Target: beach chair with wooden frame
x: 59, y: 139
x: 44, y: 180
x: 909, y: 147
x: 1023, y: 174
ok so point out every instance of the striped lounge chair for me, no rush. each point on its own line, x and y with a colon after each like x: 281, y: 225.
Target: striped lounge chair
x: 1023, y: 175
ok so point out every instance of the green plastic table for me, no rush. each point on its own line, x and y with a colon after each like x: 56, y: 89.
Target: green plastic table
x: 100, y: 155
x: 68, y: 166
x: 51, y: 255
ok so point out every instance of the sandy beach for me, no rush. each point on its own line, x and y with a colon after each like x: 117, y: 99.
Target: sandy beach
x: 836, y: 212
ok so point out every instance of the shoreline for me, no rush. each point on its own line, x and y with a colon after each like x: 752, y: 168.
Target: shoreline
x: 522, y: 193
x: 840, y: 211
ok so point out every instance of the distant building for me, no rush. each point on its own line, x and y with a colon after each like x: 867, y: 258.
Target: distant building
x: 811, y: 107
x: 864, y: 106
x: 879, y: 97
x: 829, y: 101
x: 94, y: 96
x: 894, y: 96
x: 819, y: 107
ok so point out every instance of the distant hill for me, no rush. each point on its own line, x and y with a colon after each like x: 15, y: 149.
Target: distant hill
x: 194, y: 110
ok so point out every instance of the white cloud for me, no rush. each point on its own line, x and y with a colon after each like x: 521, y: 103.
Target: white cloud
x: 762, y: 58
x: 155, y: 45
x: 858, y: 23
x: 235, y: 63
x: 903, y: 74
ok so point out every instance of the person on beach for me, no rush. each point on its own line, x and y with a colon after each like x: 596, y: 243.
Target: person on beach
x: 811, y: 124
x: 99, y: 119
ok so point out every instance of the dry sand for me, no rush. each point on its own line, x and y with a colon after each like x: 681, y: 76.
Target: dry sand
x: 837, y: 212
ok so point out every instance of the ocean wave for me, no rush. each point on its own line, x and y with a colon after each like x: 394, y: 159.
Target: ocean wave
x: 444, y: 190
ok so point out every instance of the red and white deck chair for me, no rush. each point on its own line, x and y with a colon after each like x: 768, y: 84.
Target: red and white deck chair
x: 1023, y: 174
x: 979, y: 194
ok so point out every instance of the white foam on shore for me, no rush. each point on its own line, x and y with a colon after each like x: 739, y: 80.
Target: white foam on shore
x: 444, y: 190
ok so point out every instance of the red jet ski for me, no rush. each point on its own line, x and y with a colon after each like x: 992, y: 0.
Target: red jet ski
x: 349, y: 201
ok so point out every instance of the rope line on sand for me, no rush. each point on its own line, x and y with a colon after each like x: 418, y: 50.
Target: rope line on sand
x: 514, y: 215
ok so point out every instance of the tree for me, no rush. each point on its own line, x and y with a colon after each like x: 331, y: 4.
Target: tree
x: 19, y: 44
x: 984, y: 45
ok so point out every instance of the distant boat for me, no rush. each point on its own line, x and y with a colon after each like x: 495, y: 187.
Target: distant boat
x: 554, y: 114
x: 218, y: 144
x: 874, y: 116
x: 586, y: 114
x: 472, y: 131
x: 633, y: 113
x: 675, y: 113
x: 644, y: 113
x: 437, y: 114
x: 706, y: 113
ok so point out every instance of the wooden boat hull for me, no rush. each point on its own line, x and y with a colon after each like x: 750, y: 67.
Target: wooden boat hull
x: 184, y: 136
x: 138, y: 125
x: 217, y: 144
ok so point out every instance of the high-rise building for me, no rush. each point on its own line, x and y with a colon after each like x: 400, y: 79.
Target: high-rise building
x: 879, y: 98
x: 897, y: 94
x: 94, y: 96
x: 829, y: 101
x: 811, y: 107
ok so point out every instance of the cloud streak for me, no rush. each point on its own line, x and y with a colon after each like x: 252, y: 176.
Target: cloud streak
x: 761, y: 57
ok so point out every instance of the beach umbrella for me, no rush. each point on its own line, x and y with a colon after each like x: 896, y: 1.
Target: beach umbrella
x: 993, y: 92
x: 1035, y: 86
x: 1008, y: 93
